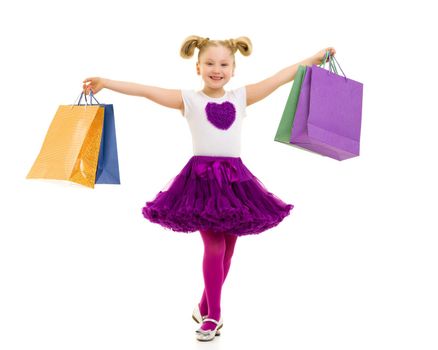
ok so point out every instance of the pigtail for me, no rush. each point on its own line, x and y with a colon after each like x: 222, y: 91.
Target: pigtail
x: 190, y: 44
x: 243, y: 44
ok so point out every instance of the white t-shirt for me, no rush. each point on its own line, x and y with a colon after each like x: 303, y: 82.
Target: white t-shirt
x: 215, y: 123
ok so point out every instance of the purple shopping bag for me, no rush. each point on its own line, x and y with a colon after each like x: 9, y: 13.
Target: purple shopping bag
x: 329, y: 114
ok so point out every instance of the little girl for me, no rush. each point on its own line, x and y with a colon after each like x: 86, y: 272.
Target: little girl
x: 214, y: 193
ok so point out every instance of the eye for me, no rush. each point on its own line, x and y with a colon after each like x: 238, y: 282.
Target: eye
x: 225, y: 64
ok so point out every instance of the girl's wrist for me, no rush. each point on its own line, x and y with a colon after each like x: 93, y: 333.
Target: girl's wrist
x: 309, y: 61
x: 105, y: 83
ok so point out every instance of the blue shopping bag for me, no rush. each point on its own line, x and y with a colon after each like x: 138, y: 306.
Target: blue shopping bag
x: 107, y: 171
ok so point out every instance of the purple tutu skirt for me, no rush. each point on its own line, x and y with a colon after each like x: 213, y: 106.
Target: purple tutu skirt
x: 217, y: 194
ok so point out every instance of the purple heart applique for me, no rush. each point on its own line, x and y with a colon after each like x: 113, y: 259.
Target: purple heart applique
x: 221, y: 115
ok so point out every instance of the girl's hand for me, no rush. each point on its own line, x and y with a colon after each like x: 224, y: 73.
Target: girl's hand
x: 95, y: 84
x: 318, y: 58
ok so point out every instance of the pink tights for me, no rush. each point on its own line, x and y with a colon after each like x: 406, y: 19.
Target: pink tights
x: 218, y: 250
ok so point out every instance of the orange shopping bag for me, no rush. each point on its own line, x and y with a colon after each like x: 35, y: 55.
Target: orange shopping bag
x: 70, y: 150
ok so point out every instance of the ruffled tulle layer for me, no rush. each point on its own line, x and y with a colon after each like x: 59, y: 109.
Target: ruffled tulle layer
x: 218, y: 194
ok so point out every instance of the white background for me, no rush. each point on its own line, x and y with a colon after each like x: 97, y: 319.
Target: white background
x: 353, y: 267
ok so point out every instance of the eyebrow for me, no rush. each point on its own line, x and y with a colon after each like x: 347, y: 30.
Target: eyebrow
x: 210, y: 59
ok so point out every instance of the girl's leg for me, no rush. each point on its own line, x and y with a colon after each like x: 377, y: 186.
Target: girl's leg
x: 213, y: 269
x: 213, y: 245
x: 230, y: 242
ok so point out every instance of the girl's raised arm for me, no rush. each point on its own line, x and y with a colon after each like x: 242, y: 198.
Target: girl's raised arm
x: 258, y: 91
x: 171, y: 98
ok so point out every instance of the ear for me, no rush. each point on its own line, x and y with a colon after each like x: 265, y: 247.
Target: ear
x: 198, y: 69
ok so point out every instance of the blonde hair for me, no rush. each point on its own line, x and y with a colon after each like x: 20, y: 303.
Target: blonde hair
x: 242, y: 43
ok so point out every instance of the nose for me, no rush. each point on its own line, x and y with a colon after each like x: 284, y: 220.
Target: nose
x: 216, y: 69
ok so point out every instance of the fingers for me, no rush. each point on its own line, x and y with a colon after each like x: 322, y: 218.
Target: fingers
x: 87, y: 85
x: 91, y: 84
x: 331, y: 50
x: 87, y: 89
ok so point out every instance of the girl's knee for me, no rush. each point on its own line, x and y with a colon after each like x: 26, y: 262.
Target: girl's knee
x: 214, y: 242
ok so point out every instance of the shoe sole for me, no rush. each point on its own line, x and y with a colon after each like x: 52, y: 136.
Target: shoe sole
x: 204, y: 340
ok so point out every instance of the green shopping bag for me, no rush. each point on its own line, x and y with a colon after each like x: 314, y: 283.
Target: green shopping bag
x: 285, y: 127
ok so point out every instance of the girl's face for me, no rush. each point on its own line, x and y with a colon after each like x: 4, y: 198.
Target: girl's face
x: 216, y: 66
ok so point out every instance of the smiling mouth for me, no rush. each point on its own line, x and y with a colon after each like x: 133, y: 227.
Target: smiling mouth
x: 216, y: 78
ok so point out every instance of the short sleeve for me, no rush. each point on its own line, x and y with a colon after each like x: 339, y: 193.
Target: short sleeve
x: 240, y: 94
x: 187, y: 102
